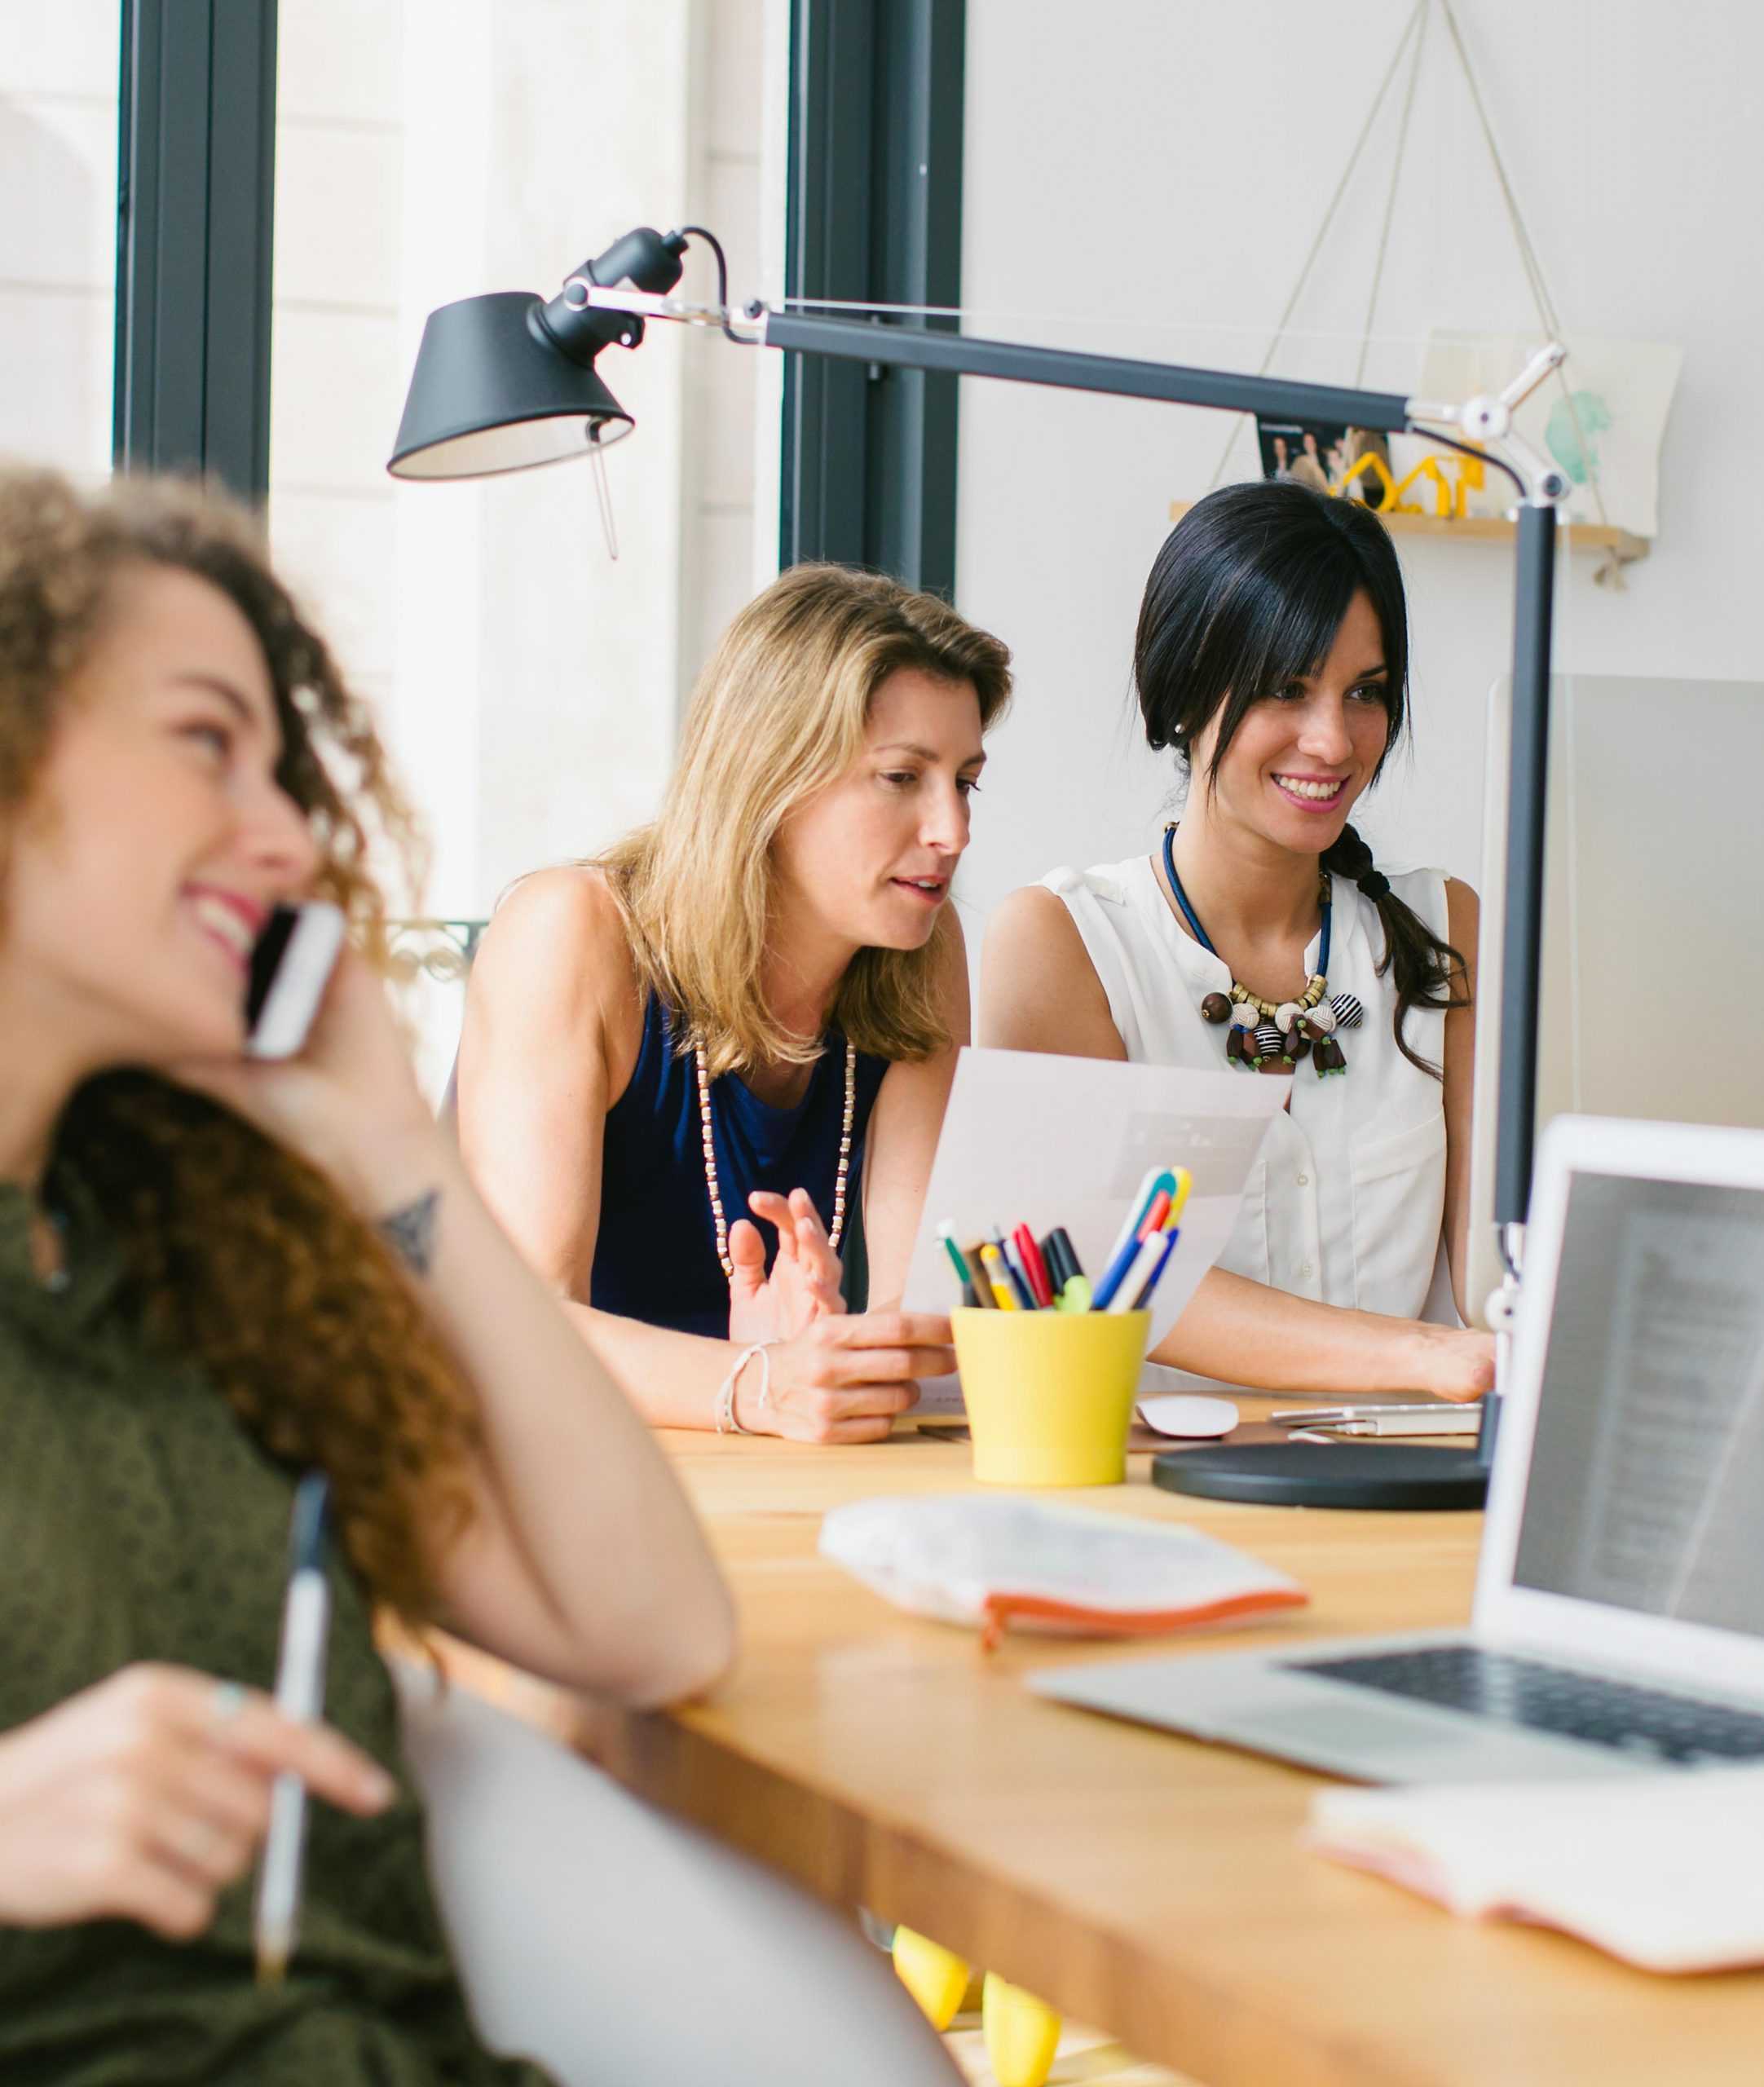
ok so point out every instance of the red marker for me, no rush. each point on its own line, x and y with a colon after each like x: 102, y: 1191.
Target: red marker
x: 1035, y: 1268
x: 1153, y: 1220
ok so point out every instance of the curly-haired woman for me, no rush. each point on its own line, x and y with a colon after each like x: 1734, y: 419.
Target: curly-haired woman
x: 215, y: 1274
x: 753, y: 1004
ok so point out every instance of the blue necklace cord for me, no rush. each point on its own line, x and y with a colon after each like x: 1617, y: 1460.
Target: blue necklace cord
x: 1199, y: 933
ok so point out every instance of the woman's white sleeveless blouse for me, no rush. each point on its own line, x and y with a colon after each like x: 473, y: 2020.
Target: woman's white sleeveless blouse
x: 1347, y: 1203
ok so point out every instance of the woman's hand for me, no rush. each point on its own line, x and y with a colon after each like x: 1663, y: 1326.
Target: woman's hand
x: 1456, y: 1362
x: 804, y: 1284
x: 143, y: 1798
x: 845, y: 1378
x: 348, y: 1094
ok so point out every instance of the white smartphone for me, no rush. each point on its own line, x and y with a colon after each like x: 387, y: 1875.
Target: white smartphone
x: 290, y: 969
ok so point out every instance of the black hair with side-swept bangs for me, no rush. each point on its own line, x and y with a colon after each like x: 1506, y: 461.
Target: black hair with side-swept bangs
x: 1244, y: 598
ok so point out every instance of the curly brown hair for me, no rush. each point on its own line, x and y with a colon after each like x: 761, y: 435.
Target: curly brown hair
x: 239, y: 1253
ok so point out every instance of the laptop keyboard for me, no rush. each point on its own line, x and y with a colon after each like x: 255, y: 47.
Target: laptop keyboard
x: 1553, y: 1699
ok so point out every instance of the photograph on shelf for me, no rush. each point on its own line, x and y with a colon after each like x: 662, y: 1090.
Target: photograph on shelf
x: 1325, y: 456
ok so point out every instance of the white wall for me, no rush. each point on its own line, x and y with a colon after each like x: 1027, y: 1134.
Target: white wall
x: 57, y: 233
x: 1161, y: 170
x: 530, y: 687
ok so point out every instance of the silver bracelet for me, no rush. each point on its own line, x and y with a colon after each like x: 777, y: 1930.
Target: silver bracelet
x: 728, y: 1420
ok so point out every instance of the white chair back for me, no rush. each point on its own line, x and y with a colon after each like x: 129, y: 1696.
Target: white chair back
x: 608, y: 1941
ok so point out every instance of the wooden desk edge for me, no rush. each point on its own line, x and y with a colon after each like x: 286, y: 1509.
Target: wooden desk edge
x: 849, y: 1861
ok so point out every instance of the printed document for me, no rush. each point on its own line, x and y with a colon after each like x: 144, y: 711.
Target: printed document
x: 1035, y: 1140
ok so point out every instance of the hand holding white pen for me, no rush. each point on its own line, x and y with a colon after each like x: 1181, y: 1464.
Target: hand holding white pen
x: 144, y: 1796
x: 299, y: 1696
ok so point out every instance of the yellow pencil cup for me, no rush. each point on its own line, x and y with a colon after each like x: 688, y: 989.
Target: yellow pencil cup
x: 1050, y: 1394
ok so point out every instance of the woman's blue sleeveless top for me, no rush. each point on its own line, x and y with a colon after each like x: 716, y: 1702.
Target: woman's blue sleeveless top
x: 656, y: 1256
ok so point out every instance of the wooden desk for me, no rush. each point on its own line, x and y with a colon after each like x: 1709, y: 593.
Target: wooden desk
x: 1150, y: 1885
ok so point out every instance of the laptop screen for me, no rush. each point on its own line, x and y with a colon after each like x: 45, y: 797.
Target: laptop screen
x: 1646, y: 1483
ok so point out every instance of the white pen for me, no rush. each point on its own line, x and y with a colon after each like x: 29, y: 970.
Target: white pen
x: 1149, y: 1259
x: 299, y: 1694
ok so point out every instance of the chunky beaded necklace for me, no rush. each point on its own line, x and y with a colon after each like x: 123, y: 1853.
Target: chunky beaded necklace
x: 709, y: 1143
x: 1266, y: 1037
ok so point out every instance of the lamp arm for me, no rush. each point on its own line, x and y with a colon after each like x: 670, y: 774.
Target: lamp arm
x: 912, y: 347
x: 1486, y: 421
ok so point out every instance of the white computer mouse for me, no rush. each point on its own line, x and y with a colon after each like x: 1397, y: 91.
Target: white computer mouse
x: 1188, y: 1414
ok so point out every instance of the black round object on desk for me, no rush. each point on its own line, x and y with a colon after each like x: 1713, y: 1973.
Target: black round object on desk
x: 1390, y: 1474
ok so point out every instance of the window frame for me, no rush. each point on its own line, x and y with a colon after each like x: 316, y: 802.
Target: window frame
x: 196, y: 209
x: 875, y: 215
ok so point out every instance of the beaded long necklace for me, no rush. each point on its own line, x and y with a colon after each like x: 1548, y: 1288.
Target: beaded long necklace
x: 709, y: 1143
x: 1266, y: 1036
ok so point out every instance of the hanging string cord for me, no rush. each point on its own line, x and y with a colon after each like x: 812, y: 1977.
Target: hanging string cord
x: 1528, y: 254
x: 1322, y: 230
x: 1390, y: 199
x: 716, y: 245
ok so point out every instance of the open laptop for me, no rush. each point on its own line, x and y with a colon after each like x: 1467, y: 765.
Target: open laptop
x: 1619, y: 1617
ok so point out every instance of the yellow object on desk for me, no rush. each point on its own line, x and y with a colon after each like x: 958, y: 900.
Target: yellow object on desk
x: 1050, y: 1394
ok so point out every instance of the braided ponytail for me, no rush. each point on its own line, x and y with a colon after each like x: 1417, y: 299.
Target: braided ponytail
x: 1429, y: 972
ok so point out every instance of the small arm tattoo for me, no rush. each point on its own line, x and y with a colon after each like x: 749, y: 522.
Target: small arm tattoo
x: 409, y: 1231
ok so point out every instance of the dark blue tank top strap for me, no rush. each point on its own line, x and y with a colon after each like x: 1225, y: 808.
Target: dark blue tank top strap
x: 655, y: 1253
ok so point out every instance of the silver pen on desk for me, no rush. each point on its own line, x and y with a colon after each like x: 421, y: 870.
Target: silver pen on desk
x: 1438, y: 1417
x: 300, y: 1694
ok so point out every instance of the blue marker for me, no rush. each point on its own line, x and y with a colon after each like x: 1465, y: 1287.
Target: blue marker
x: 1026, y: 1297
x: 1116, y: 1273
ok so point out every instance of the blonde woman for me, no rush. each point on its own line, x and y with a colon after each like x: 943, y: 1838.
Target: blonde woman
x: 752, y: 1004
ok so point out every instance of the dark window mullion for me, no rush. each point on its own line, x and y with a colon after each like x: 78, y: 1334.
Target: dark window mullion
x: 241, y: 245
x: 195, y: 195
x: 869, y: 470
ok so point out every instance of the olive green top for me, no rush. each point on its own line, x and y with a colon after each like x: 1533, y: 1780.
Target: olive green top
x: 140, y: 1521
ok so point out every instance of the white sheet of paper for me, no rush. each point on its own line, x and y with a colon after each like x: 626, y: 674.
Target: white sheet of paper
x: 1029, y: 1139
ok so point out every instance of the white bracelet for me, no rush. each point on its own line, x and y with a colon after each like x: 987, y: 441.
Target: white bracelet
x: 728, y: 1420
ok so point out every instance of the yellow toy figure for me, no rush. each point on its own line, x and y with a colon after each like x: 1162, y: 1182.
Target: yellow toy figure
x: 1471, y: 478
x: 1448, y: 498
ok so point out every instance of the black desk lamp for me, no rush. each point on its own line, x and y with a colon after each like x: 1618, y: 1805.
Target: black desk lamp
x: 508, y: 381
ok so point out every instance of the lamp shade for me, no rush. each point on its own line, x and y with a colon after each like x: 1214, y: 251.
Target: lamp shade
x: 490, y: 394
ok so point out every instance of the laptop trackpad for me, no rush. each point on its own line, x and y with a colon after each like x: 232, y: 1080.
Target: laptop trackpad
x: 1335, y: 1730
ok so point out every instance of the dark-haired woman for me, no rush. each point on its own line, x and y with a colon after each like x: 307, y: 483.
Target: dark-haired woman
x: 1272, y: 658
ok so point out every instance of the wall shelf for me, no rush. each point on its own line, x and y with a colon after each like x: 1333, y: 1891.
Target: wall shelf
x: 1621, y: 545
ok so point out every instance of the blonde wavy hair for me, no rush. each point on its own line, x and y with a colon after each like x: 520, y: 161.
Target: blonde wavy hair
x: 779, y: 713
x: 239, y: 1254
